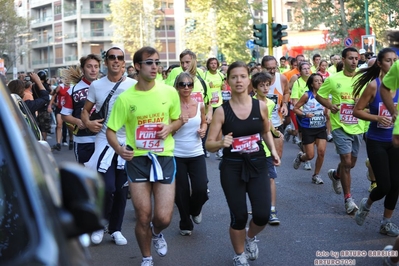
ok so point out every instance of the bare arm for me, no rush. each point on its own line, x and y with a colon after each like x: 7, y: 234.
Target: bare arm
x: 114, y: 143
x: 204, y: 125
x: 95, y: 125
x: 297, y: 108
x: 327, y: 104
x: 213, y: 141
x: 286, y: 95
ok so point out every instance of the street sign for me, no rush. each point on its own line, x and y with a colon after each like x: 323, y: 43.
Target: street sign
x: 250, y: 44
x: 348, y: 42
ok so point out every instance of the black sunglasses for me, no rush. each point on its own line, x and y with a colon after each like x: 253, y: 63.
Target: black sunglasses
x: 185, y: 84
x: 150, y: 62
x: 114, y: 57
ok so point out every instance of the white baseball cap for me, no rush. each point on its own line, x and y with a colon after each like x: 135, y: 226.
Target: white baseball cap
x: 362, y: 51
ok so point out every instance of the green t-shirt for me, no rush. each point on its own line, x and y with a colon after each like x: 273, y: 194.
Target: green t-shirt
x: 340, y: 88
x: 170, y: 80
x: 141, y: 112
x: 391, y: 79
x: 270, y: 106
x: 299, y: 88
x: 215, y: 94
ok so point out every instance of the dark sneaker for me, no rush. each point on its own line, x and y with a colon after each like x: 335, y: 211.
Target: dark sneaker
x: 362, y: 212
x: 273, y: 220
x: 56, y: 147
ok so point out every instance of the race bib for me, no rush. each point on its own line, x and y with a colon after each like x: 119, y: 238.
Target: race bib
x: 383, y: 111
x: 226, y: 95
x: 197, y: 96
x: 215, y: 97
x: 246, y: 144
x: 146, y: 138
x: 274, y: 98
x: 346, y: 114
x: 317, y: 121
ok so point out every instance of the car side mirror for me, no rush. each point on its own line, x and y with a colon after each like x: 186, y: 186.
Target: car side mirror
x: 83, y: 197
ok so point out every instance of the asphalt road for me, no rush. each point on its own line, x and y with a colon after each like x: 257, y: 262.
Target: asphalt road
x: 313, y: 226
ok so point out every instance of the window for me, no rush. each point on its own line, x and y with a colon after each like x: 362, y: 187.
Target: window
x: 97, y: 28
x: 96, y: 6
x: 289, y: 15
x: 57, y: 9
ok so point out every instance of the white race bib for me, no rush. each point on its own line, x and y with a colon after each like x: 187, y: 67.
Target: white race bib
x: 246, y: 144
x: 346, y: 114
x: 146, y: 138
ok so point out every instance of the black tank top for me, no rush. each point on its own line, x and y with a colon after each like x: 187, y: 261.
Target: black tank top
x: 250, y: 126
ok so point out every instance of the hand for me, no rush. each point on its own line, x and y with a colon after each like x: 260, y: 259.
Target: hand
x: 49, y: 109
x: 284, y: 109
x: 211, y: 84
x: 334, y: 108
x: 201, y: 132
x: 276, y: 158
x: 94, y: 126
x: 164, y: 132
x: 227, y: 140
x: 126, y: 154
x: 394, y: 116
x: 184, y: 118
x: 81, y: 125
x: 384, y: 121
x: 310, y: 115
x: 34, y: 77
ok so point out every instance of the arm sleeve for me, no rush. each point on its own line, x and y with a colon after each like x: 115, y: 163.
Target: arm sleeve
x: 391, y: 79
x: 35, y: 105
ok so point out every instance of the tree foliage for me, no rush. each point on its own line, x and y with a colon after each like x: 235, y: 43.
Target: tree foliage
x: 221, y: 25
x: 10, y: 26
x: 134, y: 23
x: 343, y: 15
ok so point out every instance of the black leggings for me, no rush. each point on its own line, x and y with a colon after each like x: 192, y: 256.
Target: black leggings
x: 383, y: 159
x: 235, y: 191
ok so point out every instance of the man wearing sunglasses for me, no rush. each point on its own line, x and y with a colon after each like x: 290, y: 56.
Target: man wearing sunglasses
x: 105, y: 160
x: 150, y: 112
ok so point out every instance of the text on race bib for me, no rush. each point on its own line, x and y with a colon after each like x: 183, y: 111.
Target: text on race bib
x: 197, y: 96
x: 346, y: 114
x: 383, y: 111
x: 246, y: 144
x: 317, y: 121
x: 215, y: 97
x: 147, y: 139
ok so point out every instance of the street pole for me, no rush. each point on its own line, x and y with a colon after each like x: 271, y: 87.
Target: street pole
x: 48, y: 55
x: 366, y: 13
x: 270, y: 29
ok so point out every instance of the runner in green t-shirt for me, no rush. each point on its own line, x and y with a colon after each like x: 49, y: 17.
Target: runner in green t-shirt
x: 150, y: 112
x: 391, y: 83
x: 347, y: 130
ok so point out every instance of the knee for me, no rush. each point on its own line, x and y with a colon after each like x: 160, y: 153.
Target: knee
x: 239, y: 222
x: 262, y: 218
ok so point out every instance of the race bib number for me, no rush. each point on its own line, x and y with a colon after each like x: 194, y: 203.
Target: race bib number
x: 197, y: 96
x: 317, y: 121
x: 246, y: 144
x: 346, y: 114
x: 226, y: 95
x: 215, y: 97
x: 383, y: 111
x: 146, y: 138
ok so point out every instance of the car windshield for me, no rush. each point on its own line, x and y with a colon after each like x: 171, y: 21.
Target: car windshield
x: 14, y: 236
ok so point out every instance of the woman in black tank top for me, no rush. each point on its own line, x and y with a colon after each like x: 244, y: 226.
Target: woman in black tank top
x: 243, y: 169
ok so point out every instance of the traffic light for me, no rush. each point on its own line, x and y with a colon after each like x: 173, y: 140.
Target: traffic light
x: 260, y: 34
x: 191, y: 25
x: 278, y: 31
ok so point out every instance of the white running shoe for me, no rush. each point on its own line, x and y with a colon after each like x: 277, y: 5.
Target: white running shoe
x: 307, y: 166
x: 119, y: 239
x: 97, y: 236
x: 160, y: 245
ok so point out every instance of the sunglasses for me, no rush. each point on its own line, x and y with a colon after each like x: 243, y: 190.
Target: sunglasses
x: 150, y: 62
x: 185, y: 84
x: 114, y: 57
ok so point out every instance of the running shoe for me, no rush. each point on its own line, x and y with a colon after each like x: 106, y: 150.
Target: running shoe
x: 336, y: 183
x: 251, y: 248
x: 160, y: 245
x: 362, y: 212
x: 287, y: 133
x: 207, y: 154
x: 297, y: 162
x: 316, y: 179
x: 219, y: 154
x: 97, y: 236
x: 56, y: 147
x: 240, y: 260
x: 197, y: 219
x: 296, y: 140
x: 387, y: 260
x: 273, y: 220
x: 329, y: 138
x: 185, y: 232
x: 350, y: 206
x: 65, y: 143
x: 147, y: 262
x: 119, y: 239
x: 389, y: 229
x: 307, y: 165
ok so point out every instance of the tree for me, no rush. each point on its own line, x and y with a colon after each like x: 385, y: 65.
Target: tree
x: 343, y: 15
x: 222, y: 24
x: 10, y: 25
x: 134, y: 23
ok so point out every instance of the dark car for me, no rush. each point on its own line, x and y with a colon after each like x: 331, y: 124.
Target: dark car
x: 44, y: 207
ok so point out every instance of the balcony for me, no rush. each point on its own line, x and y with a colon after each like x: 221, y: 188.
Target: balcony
x: 40, y: 3
x: 43, y: 62
x: 97, y: 35
x: 69, y: 13
x: 101, y: 10
x: 41, y: 22
x: 71, y: 58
